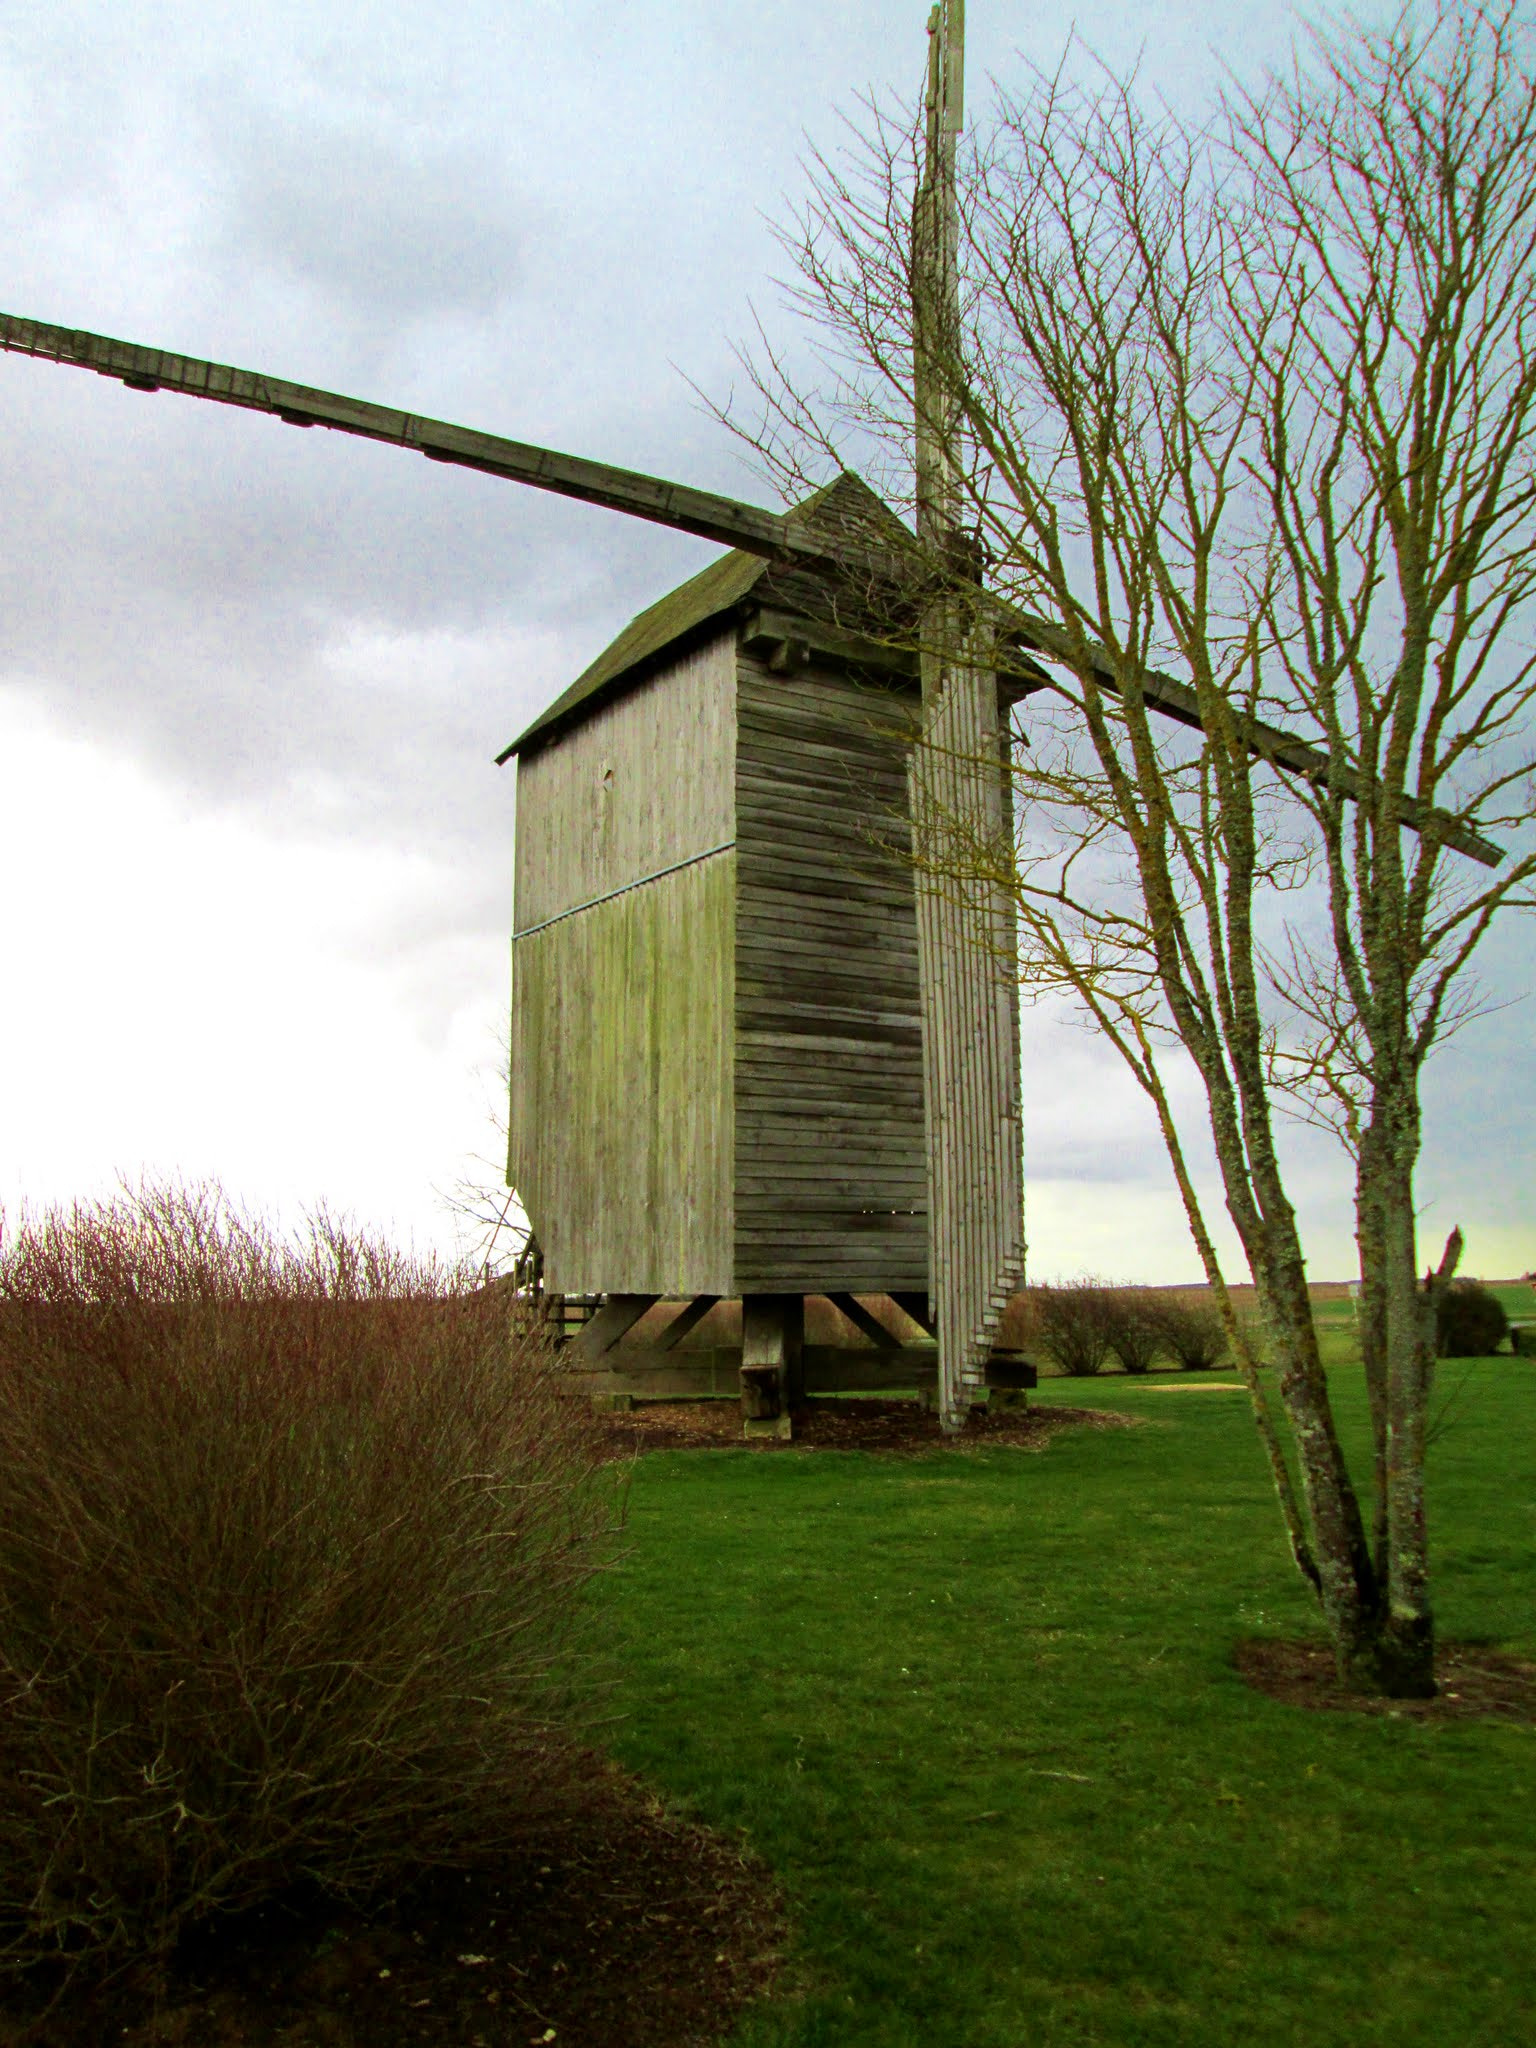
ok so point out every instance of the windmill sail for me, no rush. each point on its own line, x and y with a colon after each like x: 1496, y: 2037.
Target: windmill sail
x: 776, y: 536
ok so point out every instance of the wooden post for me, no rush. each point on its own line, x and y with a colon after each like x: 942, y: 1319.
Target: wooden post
x: 765, y: 1331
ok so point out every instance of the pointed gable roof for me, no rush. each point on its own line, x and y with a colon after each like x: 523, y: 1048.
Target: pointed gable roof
x: 846, y: 507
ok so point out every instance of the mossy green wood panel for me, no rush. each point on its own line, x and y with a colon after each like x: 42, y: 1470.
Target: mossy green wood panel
x: 641, y: 783
x: 622, y: 1088
x: 831, y: 1188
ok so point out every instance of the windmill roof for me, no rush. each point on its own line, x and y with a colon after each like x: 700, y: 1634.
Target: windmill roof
x: 846, y: 506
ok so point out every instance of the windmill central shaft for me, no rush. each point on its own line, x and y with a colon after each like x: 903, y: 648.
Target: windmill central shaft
x: 960, y: 815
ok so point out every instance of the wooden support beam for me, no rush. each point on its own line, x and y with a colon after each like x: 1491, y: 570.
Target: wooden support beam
x: 764, y: 1347
x: 685, y: 1320
x: 714, y: 1372
x: 711, y: 1373
x: 1178, y: 701
x: 771, y: 635
x: 916, y: 1306
x: 618, y: 1315
x: 861, y: 1319
x: 774, y: 535
x: 846, y: 1369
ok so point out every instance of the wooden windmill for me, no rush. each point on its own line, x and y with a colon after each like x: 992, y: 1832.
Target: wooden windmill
x: 752, y: 1056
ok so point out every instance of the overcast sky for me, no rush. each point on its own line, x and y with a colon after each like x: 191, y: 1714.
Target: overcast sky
x: 251, y: 681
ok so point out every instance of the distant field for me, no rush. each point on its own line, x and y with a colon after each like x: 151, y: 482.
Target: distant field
x: 1333, y: 1311
x: 1333, y: 1296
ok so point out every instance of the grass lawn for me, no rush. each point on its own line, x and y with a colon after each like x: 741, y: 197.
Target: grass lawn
x: 977, y: 1710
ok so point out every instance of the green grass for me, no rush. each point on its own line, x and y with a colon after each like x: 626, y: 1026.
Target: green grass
x: 978, y: 1712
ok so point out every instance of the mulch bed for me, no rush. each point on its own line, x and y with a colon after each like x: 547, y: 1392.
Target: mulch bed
x: 900, y: 1428
x: 633, y: 1930
x: 1477, y: 1683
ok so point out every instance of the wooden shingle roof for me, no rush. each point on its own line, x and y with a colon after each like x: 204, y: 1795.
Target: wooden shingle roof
x: 847, y: 506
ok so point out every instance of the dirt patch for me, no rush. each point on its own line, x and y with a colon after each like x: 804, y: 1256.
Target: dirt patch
x: 899, y: 1428
x: 632, y: 1929
x: 1194, y: 1387
x: 1477, y: 1682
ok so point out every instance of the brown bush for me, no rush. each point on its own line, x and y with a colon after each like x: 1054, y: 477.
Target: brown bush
x: 295, y: 1552
x: 1189, y: 1329
x: 1135, y: 1335
x: 1073, y: 1324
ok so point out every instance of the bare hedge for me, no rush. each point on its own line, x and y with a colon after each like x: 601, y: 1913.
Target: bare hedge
x: 296, y: 1545
x: 1080, y: 1325
x: 1136, y: 1335
x: 1074, y: 1325
x: 1190, y: 1330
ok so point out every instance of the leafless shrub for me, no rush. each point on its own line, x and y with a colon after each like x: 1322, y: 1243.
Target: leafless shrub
x: 1135, y: 1334
x: 1073, y: 1324
x: 295, y: 1547
x: 1190, y: 1330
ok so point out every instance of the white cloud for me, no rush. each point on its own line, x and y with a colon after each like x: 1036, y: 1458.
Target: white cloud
x: 392, y: 223
x: 187, y: 997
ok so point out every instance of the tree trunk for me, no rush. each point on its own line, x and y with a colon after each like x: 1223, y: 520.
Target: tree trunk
x: 1371, y: 1329
x: 1346, y: 1580
x: 1400, y: 1661
x: 1347, y: 1587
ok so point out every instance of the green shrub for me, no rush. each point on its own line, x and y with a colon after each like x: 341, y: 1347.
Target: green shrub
x: 295, y: 1547
x: 1190, y: 1329
x: 1470, y: 1321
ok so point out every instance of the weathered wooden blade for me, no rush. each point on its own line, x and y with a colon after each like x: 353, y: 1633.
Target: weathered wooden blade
x: 1178, y: 701
x: 705, y: 513
x: 776, y: 536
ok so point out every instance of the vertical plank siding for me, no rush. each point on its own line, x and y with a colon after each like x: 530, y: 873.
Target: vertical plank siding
x: 642, y: 782
x: 622, y: 1132
x: 621, y: 1088
x: 971, y: 1023
x: 831, y: 1190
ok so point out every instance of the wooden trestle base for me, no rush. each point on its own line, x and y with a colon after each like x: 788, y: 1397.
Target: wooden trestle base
x: 773, y: 1370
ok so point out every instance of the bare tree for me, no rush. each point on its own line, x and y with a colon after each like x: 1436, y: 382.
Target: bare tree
x: 1253, y: 403
x: 490, y: 1220
x: 1394, y: 189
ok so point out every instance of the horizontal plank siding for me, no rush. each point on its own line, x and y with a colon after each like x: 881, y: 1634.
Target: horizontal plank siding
x: 830, y: 1180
